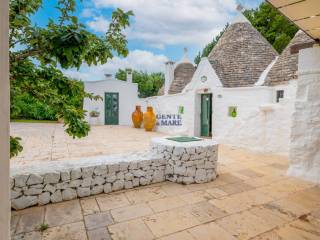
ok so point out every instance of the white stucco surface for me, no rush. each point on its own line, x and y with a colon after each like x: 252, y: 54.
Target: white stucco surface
x: 305, y: 136
x: 128, y: 99
x: 261, y: 123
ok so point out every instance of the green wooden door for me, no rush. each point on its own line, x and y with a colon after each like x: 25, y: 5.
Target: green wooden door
x: 206, y: 114
x: 111, y: 106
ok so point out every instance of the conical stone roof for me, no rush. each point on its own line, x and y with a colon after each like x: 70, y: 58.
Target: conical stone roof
x: 241, y: 55
x: 286, y: 67
x: 183, y: 74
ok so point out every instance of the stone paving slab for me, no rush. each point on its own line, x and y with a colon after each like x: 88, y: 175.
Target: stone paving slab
x: 44, y: 142
x: 169, y: 211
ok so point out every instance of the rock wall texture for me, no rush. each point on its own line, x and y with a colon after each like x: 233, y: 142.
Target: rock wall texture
x: 184, y: 165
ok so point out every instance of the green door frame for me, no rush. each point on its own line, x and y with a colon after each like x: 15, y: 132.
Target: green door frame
x: 206, y: 115
x: 111, y: 108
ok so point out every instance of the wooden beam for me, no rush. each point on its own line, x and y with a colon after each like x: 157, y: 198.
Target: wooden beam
x: 4, y: 122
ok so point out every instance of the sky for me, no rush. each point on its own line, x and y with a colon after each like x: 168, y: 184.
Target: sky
x: 158, y: 32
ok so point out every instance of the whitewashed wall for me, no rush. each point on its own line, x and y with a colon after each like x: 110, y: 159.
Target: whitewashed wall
x: 261, y: 124
x: 128, y: 99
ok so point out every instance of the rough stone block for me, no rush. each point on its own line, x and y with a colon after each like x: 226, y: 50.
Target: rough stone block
x: 201, y: 176
x: 49, y: 188
x: 178, y: 151
x: 120, y: 175
x: 34, y: 179
x: 180, y: 170
x: 44, y: 198
x: 191, y: 171
x: 138, y: 173
x: 32, y: 191
x: 56, y: 196
x: 24, y: 202
x: 98, y: 180
x: 15, y: 194
x: 75, y: 183
x: 128, y: 184
x: 145, y: 181
x: 123, y: 166
x: 113, y: 168
x: 87, y: 172
x: 101, y: 170
x: 21, y: 180
x: 118, y: 185
x: 111, y: 178
x: 69, y: 194
x: 135, y: 182
x: 76, y: 174
x: 65, y: 176
x: 83, y: 191
x: 107, y: 188
x: 133, y: 165
x: 53, y: 177
x: 86, y: 182
x: 188, y: 180
x: 128, y: 176
x: 97, y: 190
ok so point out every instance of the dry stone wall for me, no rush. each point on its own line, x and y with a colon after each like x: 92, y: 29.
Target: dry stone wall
x: 57, y: 182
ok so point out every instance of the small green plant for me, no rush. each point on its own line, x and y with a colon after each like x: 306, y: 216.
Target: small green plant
x: 94, y: 114
x: 42, y: 227
x: 15, y: 146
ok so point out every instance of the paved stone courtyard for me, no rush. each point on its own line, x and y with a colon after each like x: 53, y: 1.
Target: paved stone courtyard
x: 48, y: 141
x: 251, y: 199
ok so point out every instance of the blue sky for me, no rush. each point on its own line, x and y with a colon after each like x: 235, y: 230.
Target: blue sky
x: 159, y: 30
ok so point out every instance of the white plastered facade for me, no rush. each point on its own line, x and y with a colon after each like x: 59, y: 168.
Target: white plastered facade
x: 261, y: 123
x: 128, y: 99
x: 305, y: 135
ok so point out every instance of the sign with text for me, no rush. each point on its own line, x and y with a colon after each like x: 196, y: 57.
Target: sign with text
x: 169, y: 120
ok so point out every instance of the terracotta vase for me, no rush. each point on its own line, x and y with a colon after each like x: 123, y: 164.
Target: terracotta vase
x: 149, y: 119
x: 137, y: 117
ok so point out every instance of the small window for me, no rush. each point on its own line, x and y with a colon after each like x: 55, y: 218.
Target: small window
x: 280, y: 94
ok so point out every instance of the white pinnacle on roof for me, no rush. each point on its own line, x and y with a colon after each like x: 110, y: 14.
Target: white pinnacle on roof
x: 185, y: 57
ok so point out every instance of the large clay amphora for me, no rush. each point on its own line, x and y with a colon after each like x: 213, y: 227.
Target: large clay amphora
x: 149, y: 119
x: 137, y: 117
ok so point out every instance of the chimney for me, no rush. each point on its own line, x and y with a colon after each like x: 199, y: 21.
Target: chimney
x: 169, y: 75
x: 108, y: 76
x: 129, y: 75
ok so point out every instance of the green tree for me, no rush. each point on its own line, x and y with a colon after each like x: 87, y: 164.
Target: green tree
x: 276, y: 28
x: 208, y: 48
x: 63, y: 42
x: 148, y: 83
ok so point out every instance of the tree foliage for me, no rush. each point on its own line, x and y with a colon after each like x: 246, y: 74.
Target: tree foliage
x: 208, y: 48
x: 36, y: 51
x: 148, y: 83
x: 276, y: 28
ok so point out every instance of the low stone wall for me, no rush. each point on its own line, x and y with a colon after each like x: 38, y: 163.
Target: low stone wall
x: 54, y: 182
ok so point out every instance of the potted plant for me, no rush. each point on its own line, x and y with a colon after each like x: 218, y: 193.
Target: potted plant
x: 94, y: 117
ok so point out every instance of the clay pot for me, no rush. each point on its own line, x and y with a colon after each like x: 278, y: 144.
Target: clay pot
x: 137, y: 117
x: 149, y: 119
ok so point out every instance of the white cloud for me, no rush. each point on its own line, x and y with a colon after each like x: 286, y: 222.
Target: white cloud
x: 137, y: 60
x: 99, y: 24
x: 164, y: 22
